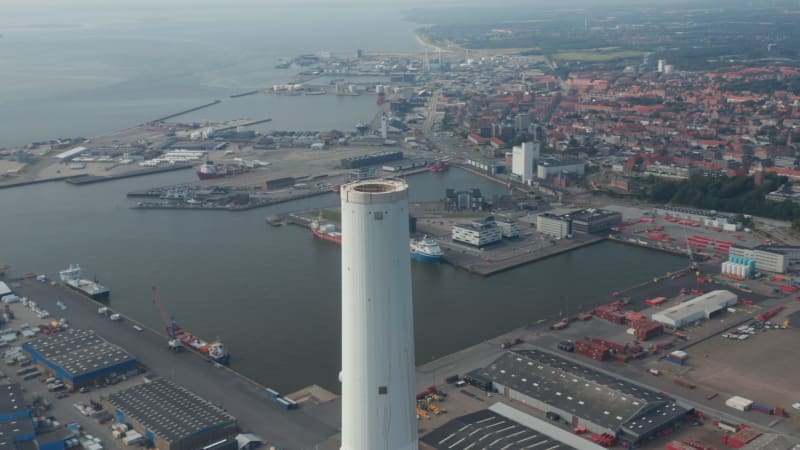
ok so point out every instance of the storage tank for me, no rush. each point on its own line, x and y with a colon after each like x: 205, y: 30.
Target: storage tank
x: 378, y: 374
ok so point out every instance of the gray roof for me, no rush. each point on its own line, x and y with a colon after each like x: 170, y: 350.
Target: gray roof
x: 488, y: 429
x: 79, y: 352
x: 11, y: 399
x: 168, y: 410
x: 590, y: 394
x: 18, y: 427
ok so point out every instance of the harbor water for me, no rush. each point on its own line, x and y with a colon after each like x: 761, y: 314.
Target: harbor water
x: 273, y: 294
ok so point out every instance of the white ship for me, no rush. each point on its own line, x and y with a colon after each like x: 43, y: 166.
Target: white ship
x: 72, y: 278
x: 426, y: 249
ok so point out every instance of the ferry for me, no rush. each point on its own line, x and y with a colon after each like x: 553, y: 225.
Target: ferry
x: 71, y: 277
x: 426, y: 249
x: 209, y: 170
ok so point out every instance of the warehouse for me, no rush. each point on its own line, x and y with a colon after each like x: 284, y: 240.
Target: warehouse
x: 278, y: 183
x: 505, y: 427
x: 170, y: 416
x: 702, y: 307
x: 767, y: 258
x: 582, y: 396
x: 16, y: 427
x: 371, y: 159
x: 79, y: 357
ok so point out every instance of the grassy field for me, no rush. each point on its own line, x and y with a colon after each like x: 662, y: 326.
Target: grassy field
x: 597, y: 55
x: 332, y: 216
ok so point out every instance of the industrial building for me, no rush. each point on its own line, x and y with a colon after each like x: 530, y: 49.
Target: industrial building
x: 378, y: 372
x: 707, y: 218
x: 555, y: 226
x: 67, y: 155
x: 691, y: 311
x: 16, y: 427
x: 508, y: 428
x: 769, y: 259
x: 78, y: 357
x: 478, y: 233
x: 170, y: 416
x: 582, y: 396
x: 593, y: 220
x: 551, y: 167
x: 371, y: 159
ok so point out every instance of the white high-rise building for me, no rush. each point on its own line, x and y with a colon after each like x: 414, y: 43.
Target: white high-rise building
x: 661, y: 64
x: 378, y: 373
x: 522, y: 158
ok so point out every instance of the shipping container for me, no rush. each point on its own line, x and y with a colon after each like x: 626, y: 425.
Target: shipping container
x: 738, y: 403
x: 726, y: 426
x: 762, y: 408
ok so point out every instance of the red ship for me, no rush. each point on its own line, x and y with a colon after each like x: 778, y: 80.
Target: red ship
x: 209, y: 171
x: 326, y: 231
x: 439, y: 167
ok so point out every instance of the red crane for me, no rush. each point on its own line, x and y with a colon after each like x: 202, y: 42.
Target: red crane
x: 169, y: 321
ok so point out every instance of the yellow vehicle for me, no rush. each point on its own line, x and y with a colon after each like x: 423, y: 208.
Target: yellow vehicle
x: 437, y: 397
x: 434, y: 409
x: 422, y: 413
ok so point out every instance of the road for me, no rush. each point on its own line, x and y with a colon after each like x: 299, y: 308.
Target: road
x: 241, y: 397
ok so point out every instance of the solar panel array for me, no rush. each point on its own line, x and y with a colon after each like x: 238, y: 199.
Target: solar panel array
x: 168, y: 410
x: 589, y: 394
x: 489, y: 430
x: 79, y: 352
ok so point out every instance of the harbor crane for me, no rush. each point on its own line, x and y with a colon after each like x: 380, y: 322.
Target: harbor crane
x: 173, y: 343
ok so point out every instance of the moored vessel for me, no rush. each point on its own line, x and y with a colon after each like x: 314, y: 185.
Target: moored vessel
x: 210, y: 170
x: 326, y: 231
x: 71, y: 278
x: 426, y: 249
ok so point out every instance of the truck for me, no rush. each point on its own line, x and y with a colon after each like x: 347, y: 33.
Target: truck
x: 115, y: 317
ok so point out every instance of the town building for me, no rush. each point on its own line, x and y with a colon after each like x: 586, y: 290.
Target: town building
x: 478, y: 233
x: 469, y: 200
x: 523, y: 157
x: 702, y: 307
x: 581, y: 396
x: 707, y: 218
x: 670, y: 171
x: 559, y: 227
x: 78, y: 357
x: 170, y: 416
x: 509, y: 227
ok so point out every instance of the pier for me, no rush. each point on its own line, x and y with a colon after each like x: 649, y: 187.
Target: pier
x: 90, y: 179
x: 187, y: 111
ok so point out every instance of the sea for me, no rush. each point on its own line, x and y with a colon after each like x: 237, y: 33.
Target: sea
x: 271, y: 294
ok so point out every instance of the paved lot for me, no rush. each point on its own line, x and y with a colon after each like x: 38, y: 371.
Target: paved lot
x: 241, y: 397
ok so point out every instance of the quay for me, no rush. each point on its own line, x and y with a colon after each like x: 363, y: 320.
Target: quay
x: 187, y: 111
x: 244, y: 94
x: 247, y: 124
x: 240, y: 396
x: 90, y: 179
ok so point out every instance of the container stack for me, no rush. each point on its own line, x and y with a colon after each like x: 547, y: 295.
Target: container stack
x: 647, y: 329
x: 613, y: 346
x: 741, y: 437
x: 770, y: 314
x: 677, y: 445
x: 598, y: 352
x: 678, y: 357
x: 611, y: 312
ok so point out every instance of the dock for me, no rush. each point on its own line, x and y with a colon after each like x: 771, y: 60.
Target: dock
x: 240, y: 396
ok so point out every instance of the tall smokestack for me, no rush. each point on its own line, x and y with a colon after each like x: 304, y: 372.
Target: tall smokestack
x: 378, y: 374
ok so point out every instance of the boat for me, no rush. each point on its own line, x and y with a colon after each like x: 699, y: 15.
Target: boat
x: 336, y: 189
x: 561, y: 324
x: 71, y: 277
x: 209, y: 170
x: 439, y: 167
x: 326, y: 231
x: 215, y: 351
x: 426, y: 249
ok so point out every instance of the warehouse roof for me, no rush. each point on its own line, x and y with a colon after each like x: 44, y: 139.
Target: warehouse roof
x: 78, y: 352
x: 592, y: 395
x: 488, y: 429
x: 11, y: 399
x: 15, y: 428
x: 169, y: 410
x: 707, y: 304
x: 592, y: 214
